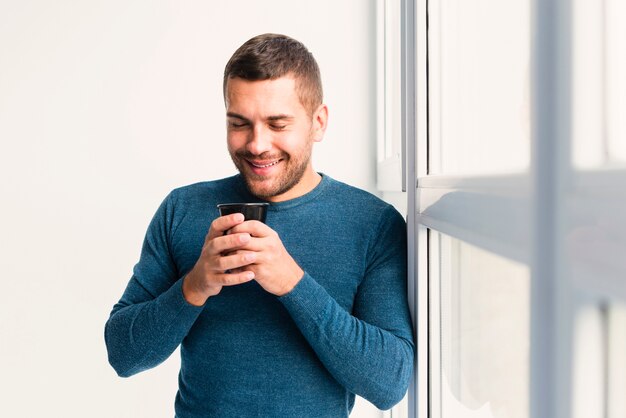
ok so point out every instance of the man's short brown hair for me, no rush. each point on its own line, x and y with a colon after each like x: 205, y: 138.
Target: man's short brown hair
x: 271, y: 56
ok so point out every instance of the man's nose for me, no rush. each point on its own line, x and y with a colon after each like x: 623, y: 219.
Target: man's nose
x: 259, y: 141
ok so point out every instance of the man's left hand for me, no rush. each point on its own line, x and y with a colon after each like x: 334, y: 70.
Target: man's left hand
x: 274, y: 268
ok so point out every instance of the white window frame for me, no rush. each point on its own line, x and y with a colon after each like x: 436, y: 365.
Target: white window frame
x: 391, y: 155
x: 531, y: 210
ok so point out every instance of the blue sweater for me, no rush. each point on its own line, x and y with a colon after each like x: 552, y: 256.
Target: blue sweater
x: 344, y: 329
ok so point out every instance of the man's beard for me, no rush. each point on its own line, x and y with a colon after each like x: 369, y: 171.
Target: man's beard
x: 293, y: 171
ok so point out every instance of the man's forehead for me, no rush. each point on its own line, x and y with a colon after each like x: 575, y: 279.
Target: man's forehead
x: 237, y: 85
x: 273, y: 97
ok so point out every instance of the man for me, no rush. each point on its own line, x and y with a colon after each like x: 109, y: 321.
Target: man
x: 289, y: 318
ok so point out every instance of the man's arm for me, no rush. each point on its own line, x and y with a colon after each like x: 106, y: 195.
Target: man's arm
x: 158, y: 307
x: 144, y: 330
x: 369, y: 360
x: 152, y: 317
x: 369, y: 351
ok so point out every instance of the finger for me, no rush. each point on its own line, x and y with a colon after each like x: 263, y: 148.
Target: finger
x: 257, y: 245
x: 254, y: 228
x: 233, y: 252
x: 241, y: 244
x: 227, y: 244
x: 233, y: 262
x: 231, y: 279
x: 237, y: 270
x: 223, y: 224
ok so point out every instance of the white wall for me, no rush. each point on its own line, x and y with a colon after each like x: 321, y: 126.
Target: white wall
x: 105, y: 106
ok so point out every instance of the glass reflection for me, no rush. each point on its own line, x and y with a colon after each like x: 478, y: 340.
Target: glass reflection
x: 616, y: 367
x: 599, y: 364
x: 480, y: 310
x: 598, y: 84
x: 479, y: 83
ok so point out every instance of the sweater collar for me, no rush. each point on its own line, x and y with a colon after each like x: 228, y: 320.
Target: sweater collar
x: 287, y: 204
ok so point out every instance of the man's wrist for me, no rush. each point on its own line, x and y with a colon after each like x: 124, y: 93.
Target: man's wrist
x: 292, y: 283
x: 191, y: 293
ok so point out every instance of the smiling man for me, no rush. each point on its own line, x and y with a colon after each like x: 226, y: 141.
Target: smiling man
x: 288, y: 318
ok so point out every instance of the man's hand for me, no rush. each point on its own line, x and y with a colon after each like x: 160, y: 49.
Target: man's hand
x: 274, y: 269
x: 221, y: 261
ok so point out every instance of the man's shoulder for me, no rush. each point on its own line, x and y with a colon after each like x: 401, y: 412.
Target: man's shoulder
x: 204, y: 188
x: 354, y: 195
x: 204, y: 194
x: 362, y: 214
x: 360, y: 201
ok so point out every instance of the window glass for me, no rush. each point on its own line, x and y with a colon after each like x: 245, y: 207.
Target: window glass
x: 599, y: 364
x: 588, y: 364
x: 598, y: 84
x: 616, y: 366
x: 479, y: 83
x: 479, y: 332
x: 616, y: 82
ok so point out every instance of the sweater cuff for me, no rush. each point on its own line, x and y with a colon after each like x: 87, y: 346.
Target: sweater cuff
x: 307, y: 298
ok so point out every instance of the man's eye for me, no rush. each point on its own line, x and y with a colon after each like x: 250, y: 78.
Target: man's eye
x: 278, y: 127
x: 237, y: 125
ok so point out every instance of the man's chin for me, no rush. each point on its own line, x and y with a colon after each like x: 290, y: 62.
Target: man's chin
x: 261, y: 188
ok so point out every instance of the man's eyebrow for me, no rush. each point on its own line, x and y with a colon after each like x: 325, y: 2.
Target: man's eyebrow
x: 269, y: 118
x: 280, y: 117
x: 236, y: 116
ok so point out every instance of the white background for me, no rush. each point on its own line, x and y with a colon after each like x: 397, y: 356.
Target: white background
x: 105, y: 106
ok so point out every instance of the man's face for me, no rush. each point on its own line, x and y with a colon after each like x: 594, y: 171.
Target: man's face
x: 270, y: 137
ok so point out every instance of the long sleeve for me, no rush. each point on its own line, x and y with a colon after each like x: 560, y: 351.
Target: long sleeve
x: 152, y: 317
x: 370, y: 351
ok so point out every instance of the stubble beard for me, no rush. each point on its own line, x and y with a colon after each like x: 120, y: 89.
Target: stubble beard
x: 293, y: 171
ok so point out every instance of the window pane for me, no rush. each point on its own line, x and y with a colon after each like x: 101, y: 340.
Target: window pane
x: 479, y: 332
x: 588, y: 370
x: 599, y: 363
x: 479, y: 83
x: 616, y: 366
x: 598, y: 84
x: 616, y: 82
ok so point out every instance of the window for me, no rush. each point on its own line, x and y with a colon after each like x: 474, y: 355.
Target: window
x: 599, y: 361
x: 479, y: 306
x: 479, y: 78
x: 599, y: 99
x: 595, y: 228
x: 389, y: 153
x: 518, y: 227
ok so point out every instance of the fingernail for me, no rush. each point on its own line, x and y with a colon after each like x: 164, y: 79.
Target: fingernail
x: 250, y: 275
x: 238, y: 217
x: 244, y: 238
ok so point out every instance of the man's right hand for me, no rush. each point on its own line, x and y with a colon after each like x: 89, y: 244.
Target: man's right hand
x: 219, y: 255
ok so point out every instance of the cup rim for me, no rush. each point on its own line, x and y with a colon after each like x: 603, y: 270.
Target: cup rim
x: 225, y: 205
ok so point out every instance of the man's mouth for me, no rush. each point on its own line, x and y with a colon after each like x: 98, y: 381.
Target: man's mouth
x: 263, y: 167
x: 263, y: 164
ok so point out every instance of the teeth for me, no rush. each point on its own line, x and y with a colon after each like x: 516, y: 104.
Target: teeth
x: 264, y: 166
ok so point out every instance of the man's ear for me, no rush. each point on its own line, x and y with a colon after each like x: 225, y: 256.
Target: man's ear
x: 320, y: 122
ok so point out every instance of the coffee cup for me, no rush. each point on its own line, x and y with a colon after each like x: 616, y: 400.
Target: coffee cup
x: 250, y: 211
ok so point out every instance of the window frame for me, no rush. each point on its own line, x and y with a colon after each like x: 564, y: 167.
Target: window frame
x: 391, y: 154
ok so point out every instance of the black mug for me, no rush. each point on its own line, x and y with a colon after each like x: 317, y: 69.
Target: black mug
x: 250, y: 211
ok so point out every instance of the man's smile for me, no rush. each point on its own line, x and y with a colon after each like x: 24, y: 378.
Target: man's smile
x: 264, y: 164
x: 265, y: 167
